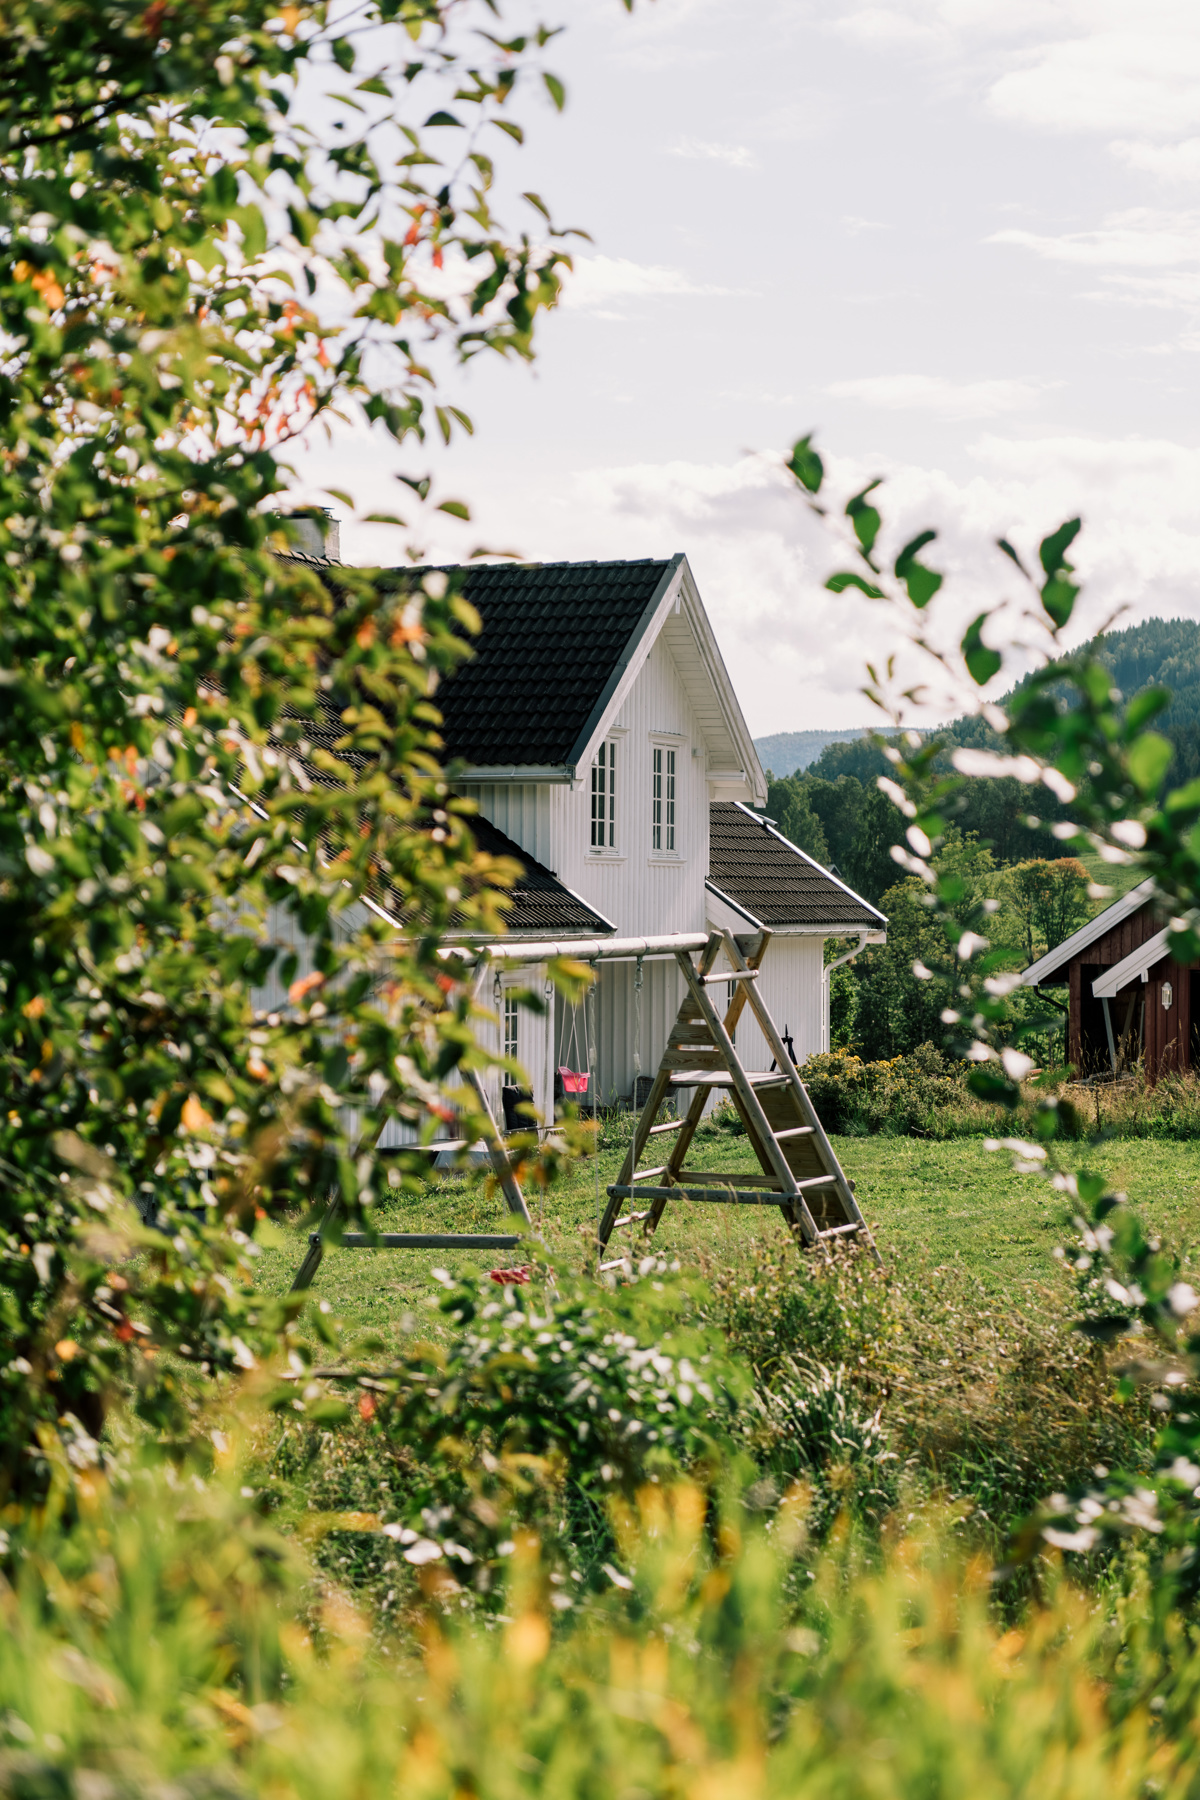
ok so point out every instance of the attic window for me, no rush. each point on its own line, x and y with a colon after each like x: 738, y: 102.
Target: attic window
x: 604, y: 798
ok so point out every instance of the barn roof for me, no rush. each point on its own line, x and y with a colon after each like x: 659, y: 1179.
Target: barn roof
x: 768, y: 879
x: 1052, y: 967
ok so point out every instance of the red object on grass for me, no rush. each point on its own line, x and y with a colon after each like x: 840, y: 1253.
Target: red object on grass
x: 511, y: 1277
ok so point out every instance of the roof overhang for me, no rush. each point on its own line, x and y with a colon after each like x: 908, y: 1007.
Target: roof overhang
x: 676, y: 614
x: 561, y: 774
x: 1136, y: 966
x: 1048, y: 966
x: 871, y: 934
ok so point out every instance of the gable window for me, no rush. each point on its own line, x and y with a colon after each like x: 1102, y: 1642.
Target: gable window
x: 662, y: 811
x: 604, y: 797
x: 512, y: 1035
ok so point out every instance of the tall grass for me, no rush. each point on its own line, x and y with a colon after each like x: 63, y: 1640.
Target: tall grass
x: 191, y: 1658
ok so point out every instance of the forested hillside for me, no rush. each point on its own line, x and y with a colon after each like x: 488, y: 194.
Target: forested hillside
x: 786, y: 752
x: 835, y: 812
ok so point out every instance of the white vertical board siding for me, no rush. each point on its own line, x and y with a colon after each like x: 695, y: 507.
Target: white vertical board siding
x: 616, y: 1013
x: 790, y: 985
x: 522, y: 810
x: 639, y: 890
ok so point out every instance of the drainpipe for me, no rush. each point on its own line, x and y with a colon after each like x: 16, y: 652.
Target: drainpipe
x: 826, y: 971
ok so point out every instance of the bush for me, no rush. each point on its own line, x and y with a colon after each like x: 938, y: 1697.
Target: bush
x: 922, y: 1094
x: 976, y: 1402
x: 548, y: 1400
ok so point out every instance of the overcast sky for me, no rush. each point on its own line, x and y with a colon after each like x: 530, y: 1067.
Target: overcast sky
x: 959, y: 238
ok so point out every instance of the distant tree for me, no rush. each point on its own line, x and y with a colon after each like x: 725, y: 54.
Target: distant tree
x: 838, y: 805
x: 788, y: 804
x: 1049, y: 900
x: 869, y: 866
x: 897, y: 1009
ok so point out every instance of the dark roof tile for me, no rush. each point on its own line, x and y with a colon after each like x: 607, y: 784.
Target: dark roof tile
x: 773, y: 880
x: 554, y: 637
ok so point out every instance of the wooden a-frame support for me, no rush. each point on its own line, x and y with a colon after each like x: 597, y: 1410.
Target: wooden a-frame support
x: 514, y: 1201
x: 800, y: 1175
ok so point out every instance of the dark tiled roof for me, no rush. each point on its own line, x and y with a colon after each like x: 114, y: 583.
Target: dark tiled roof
x: 555, y: 639
x: 773, y: 880
x: 540, y: 902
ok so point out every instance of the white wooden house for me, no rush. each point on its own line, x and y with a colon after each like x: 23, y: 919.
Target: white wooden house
x: 598, y: 731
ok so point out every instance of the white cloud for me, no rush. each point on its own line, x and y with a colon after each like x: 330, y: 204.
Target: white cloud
x: 1170, y: 162
x: 934, y: 394
x: 598, y: 281
x: 1140, y: 238
x: 738, y: 156
x: 1142, y: 80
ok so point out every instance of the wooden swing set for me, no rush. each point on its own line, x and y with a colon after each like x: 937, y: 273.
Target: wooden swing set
x: 799, y: 1173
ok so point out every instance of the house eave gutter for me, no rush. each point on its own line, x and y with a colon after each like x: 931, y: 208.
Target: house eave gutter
x: 540, y: 774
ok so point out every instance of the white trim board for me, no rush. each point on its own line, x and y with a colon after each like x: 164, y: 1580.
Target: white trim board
x: 1139, y: 962
x: 1120, y: 910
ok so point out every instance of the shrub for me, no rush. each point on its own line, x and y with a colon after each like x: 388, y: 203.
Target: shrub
x: 547, y: 1400
x: 978, y: 1403
x: 923, y: 1094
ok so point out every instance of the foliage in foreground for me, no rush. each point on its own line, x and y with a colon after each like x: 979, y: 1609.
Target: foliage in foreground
x: 181, y: 1644
x: 207, y: 249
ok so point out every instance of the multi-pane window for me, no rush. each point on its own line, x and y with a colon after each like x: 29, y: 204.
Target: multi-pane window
x: 663, y: 799
x: 512, y: 1015
x: 604, y: 798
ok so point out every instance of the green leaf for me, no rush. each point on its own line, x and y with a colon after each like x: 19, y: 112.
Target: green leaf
x: 536, y: 200
x: 864, y: 518
x: 556, y: 90
x: 343, y: 53
x: 1184, y: 799
x: 846, y: 578
x: 374, y: 86
x: 340, y: 494
x: 1053, y: 549
x: 1058, y: 598
x: 1003, y: 544
x: 443, y: 118
x: 458, y: 509
x: 982, y: 662
x: 1149, y: 760
x: 987, y: 1083
x: 1144, y: 707
x: 922, y: 583
x: 806, y: 465
x: 512, y: 129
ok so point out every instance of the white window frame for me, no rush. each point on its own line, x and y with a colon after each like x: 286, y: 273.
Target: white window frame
x: 510, y: 1025
x: 605, y: 799
x: 666, y: 778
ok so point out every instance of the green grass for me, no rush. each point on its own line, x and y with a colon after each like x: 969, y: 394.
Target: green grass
x: 940, y: 1208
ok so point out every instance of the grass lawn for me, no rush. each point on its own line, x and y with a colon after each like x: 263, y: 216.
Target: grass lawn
x: 937, y: 1209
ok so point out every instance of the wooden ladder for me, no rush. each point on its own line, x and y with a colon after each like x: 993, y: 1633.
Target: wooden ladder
x: 799, y: 1172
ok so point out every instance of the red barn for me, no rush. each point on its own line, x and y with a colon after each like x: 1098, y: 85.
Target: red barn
x: 1127, y: 999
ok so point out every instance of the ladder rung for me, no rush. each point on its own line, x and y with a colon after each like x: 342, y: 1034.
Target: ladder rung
x: 722, y: 1078
x: 793, y: 1131
x: 671, y: 1125
x: 428, y: 1240
x: 716, y: 1196
x: 841, y: 1230
x: 733, y: 975
x: 617, y: 1263
x: 815, y: 1181
x: 631, y: 1219
x: 648, y: 1174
